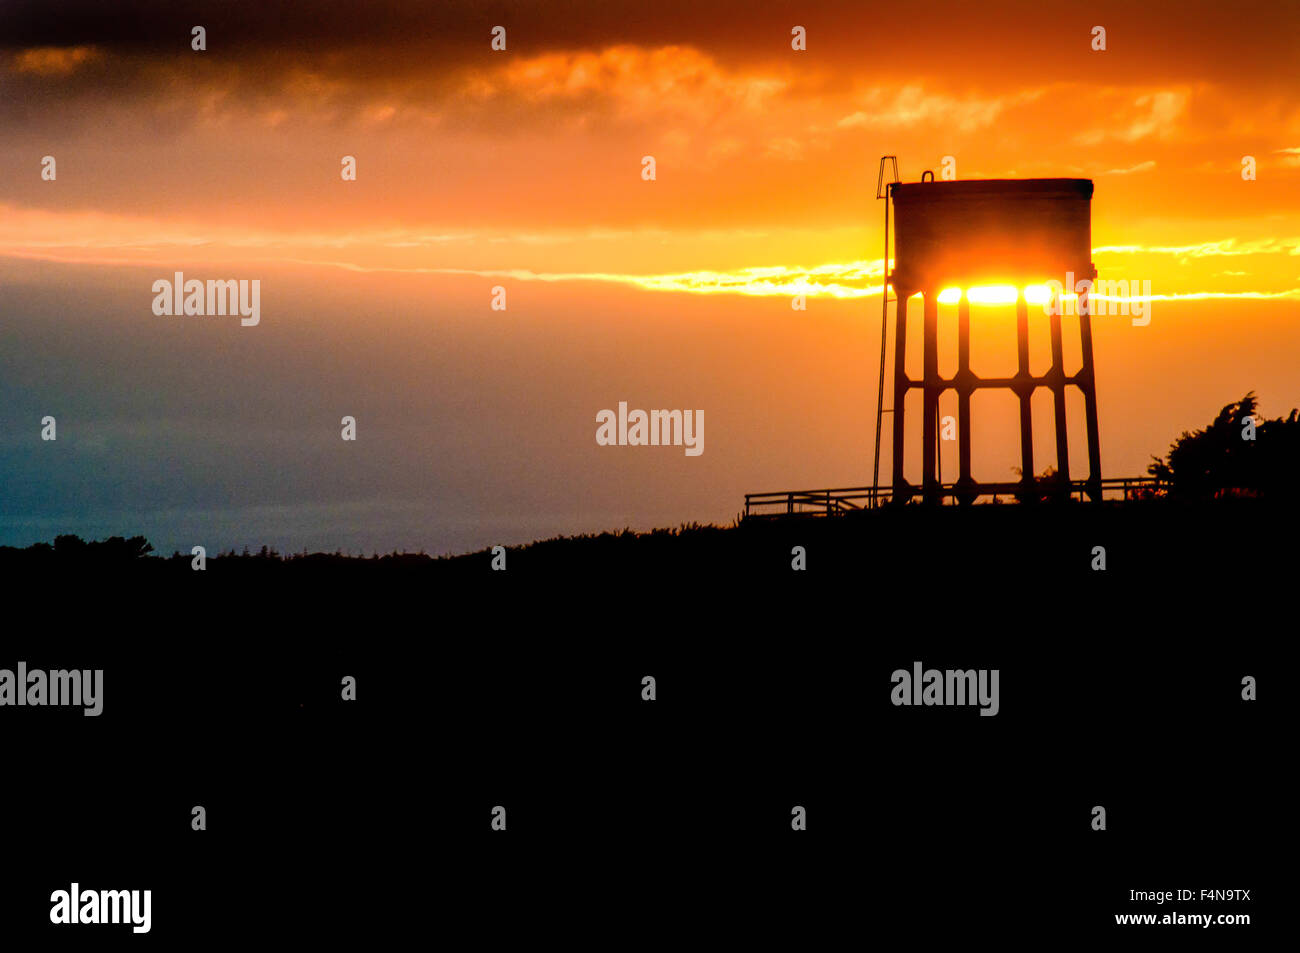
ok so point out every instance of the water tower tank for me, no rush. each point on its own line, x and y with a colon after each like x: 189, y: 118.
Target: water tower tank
x: 991, y: 231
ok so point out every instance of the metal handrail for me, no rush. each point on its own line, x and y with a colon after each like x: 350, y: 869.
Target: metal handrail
x: 836, y: 500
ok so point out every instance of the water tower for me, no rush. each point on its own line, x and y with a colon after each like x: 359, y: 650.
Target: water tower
x: 965, y: 234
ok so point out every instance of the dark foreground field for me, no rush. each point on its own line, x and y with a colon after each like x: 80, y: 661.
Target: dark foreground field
x: 940, y: 545
x: 627, y: 819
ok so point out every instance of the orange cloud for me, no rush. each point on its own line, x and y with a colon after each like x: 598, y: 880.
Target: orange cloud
x: 1157, y: 114
x: 53, y: 60
x: 1140, y: 167
x: 913, y: 105
x: 680, y: 80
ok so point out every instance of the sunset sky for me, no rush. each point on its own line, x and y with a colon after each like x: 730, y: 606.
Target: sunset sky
x: 522, y: 168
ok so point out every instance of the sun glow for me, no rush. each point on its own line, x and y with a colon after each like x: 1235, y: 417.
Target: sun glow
x: 999, y: 294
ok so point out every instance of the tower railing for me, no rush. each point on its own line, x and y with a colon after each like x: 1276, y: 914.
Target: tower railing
x: 838, y: 501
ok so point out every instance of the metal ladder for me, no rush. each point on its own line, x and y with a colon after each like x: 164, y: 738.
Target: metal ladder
x: 882, y: 192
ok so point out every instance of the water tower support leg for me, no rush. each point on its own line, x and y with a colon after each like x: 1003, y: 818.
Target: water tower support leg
x: 1089, y: 384
x: 1058, y: 400
x: 1025, y: 391
x: 900, y: 390
x: 963, y: 400
x: 929, y: 480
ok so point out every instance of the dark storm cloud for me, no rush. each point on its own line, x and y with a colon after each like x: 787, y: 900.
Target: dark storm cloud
x: 1204, y: 36
x: 454, y: 31
x: 153, y: 26
x: 988, y: 45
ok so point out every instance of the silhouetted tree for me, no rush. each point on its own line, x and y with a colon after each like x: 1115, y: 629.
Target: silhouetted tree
x: 69, y: 545
x: 116, y: 547
x: 1048, y: 485
x: 1220, y: 460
